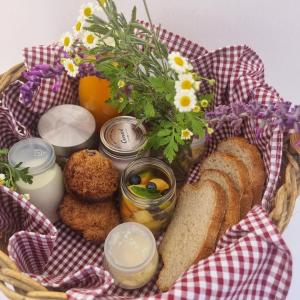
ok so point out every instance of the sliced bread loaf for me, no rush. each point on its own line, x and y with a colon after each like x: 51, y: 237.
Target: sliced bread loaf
x: 249, y: 154
x: 237, y: 171
x: 193, y: 231
x: 232, y: 215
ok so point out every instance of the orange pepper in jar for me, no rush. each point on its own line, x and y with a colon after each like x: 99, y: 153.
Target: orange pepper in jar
x: 93, y: 94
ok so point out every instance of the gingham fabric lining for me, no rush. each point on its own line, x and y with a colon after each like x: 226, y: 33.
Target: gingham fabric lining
x: 251, y: 258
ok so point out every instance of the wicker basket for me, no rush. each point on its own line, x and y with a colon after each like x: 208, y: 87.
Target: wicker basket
x: 25, y: 288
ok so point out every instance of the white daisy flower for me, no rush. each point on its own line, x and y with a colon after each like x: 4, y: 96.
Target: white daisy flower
x: 185, y: 82
x: 186, y: 134
x: 87, y: 10
x: 178, y: 62
x: 110, y: 41
x: 78, y: 27
x: 67, y: 41
x: 2, y: 177
x: 185, y: 100
x: 70, y: 67
x: 90, y: 40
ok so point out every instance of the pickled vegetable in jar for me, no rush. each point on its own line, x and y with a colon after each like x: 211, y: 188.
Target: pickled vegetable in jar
x: 148, y: 194
x: 93, y: 94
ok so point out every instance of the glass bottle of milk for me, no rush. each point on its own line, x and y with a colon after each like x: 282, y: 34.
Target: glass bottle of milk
x: 47, y: 188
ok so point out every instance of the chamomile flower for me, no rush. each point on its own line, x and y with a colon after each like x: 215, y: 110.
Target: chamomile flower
x: 121, y: 84
x: 78, y: 27
x: 196, y: 109
x: 185, y: 82
x: 185, y: 101
x: 87, y: 10
x: 186, y: 134
x: 204, y: 103
x: 2, y: 178
x: 67, y: 41
x: 90, y: 40
x: 70, y: 67
x: 178, y: 62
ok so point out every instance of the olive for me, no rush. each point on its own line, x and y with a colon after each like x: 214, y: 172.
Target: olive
x: 135, y: 179
x: 151, y: 186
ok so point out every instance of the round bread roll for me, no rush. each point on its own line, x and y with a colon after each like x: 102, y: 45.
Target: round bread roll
x: 90, y: 176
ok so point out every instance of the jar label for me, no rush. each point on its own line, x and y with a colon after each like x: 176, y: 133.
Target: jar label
x: 124, y: 136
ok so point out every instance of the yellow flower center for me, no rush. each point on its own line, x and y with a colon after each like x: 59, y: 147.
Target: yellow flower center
x: 67, y: 41
x: 178, y: 61
x: 186, y: 85
x: 87, y: 11
x: 103, y: 2
x: 90, y: 39
x: 78, y: 26
x: 185, y: 101
x: 186, y: 134
x: 121, y: 83
x: 71, y: 67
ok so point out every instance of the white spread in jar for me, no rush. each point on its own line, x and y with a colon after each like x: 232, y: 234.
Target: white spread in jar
x: 131, y: 255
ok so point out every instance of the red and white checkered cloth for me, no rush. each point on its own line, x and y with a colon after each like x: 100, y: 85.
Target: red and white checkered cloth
x: 251, y: 260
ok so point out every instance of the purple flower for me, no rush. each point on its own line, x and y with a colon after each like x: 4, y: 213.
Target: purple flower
x: 280, y: 114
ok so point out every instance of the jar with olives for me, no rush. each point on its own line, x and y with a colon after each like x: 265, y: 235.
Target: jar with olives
x: 148, y: 193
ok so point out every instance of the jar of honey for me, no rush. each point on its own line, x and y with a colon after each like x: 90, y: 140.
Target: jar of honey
x: 93, y: 94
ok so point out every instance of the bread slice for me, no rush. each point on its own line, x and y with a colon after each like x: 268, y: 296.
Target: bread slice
x: 232, y: 215
x: 237, y: 171
x: 249, y: 154
x: 193, y: 231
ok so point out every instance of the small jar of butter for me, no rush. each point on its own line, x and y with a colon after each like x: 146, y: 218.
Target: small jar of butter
x: 123, y: 140
x: 131, y: 255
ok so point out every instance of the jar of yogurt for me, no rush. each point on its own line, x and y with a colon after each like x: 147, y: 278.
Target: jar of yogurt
x: 131, y: 255
x: 47, y: 188
x: 123, y: 139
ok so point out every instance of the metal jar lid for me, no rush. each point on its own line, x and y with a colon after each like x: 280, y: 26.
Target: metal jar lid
x: 123, y: 136
x: 68, y: 128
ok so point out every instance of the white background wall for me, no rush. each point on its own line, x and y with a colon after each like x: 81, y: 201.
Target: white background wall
x: 271, y: 27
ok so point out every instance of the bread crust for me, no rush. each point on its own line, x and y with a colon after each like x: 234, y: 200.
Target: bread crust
x: 243, y: 178
x: 215, y: 224
x: 232, y: 215
x: 211, y: 233
x: 257, y: 172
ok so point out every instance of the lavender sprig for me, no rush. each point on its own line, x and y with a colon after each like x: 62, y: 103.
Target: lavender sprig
x: 34, y: 78
x: 35, y: 75
x: 281, y: 114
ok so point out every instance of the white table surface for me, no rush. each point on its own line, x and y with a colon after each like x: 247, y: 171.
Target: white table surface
x: 270, y: 27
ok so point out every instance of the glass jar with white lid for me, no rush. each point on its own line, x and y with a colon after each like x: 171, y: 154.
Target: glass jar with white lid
x: 131, y: 255
x: 47, y: 188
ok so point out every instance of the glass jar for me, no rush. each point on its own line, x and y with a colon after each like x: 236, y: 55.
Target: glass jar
x: 47, y: 188
x: 131, y: 255
x: 123, y: 140
x: 153, y: 212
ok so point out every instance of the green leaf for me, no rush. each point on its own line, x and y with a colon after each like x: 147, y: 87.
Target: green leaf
x: 144, y: 192
x: 149, y: 109
x: 133, y: 15
x: 164, y: 132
